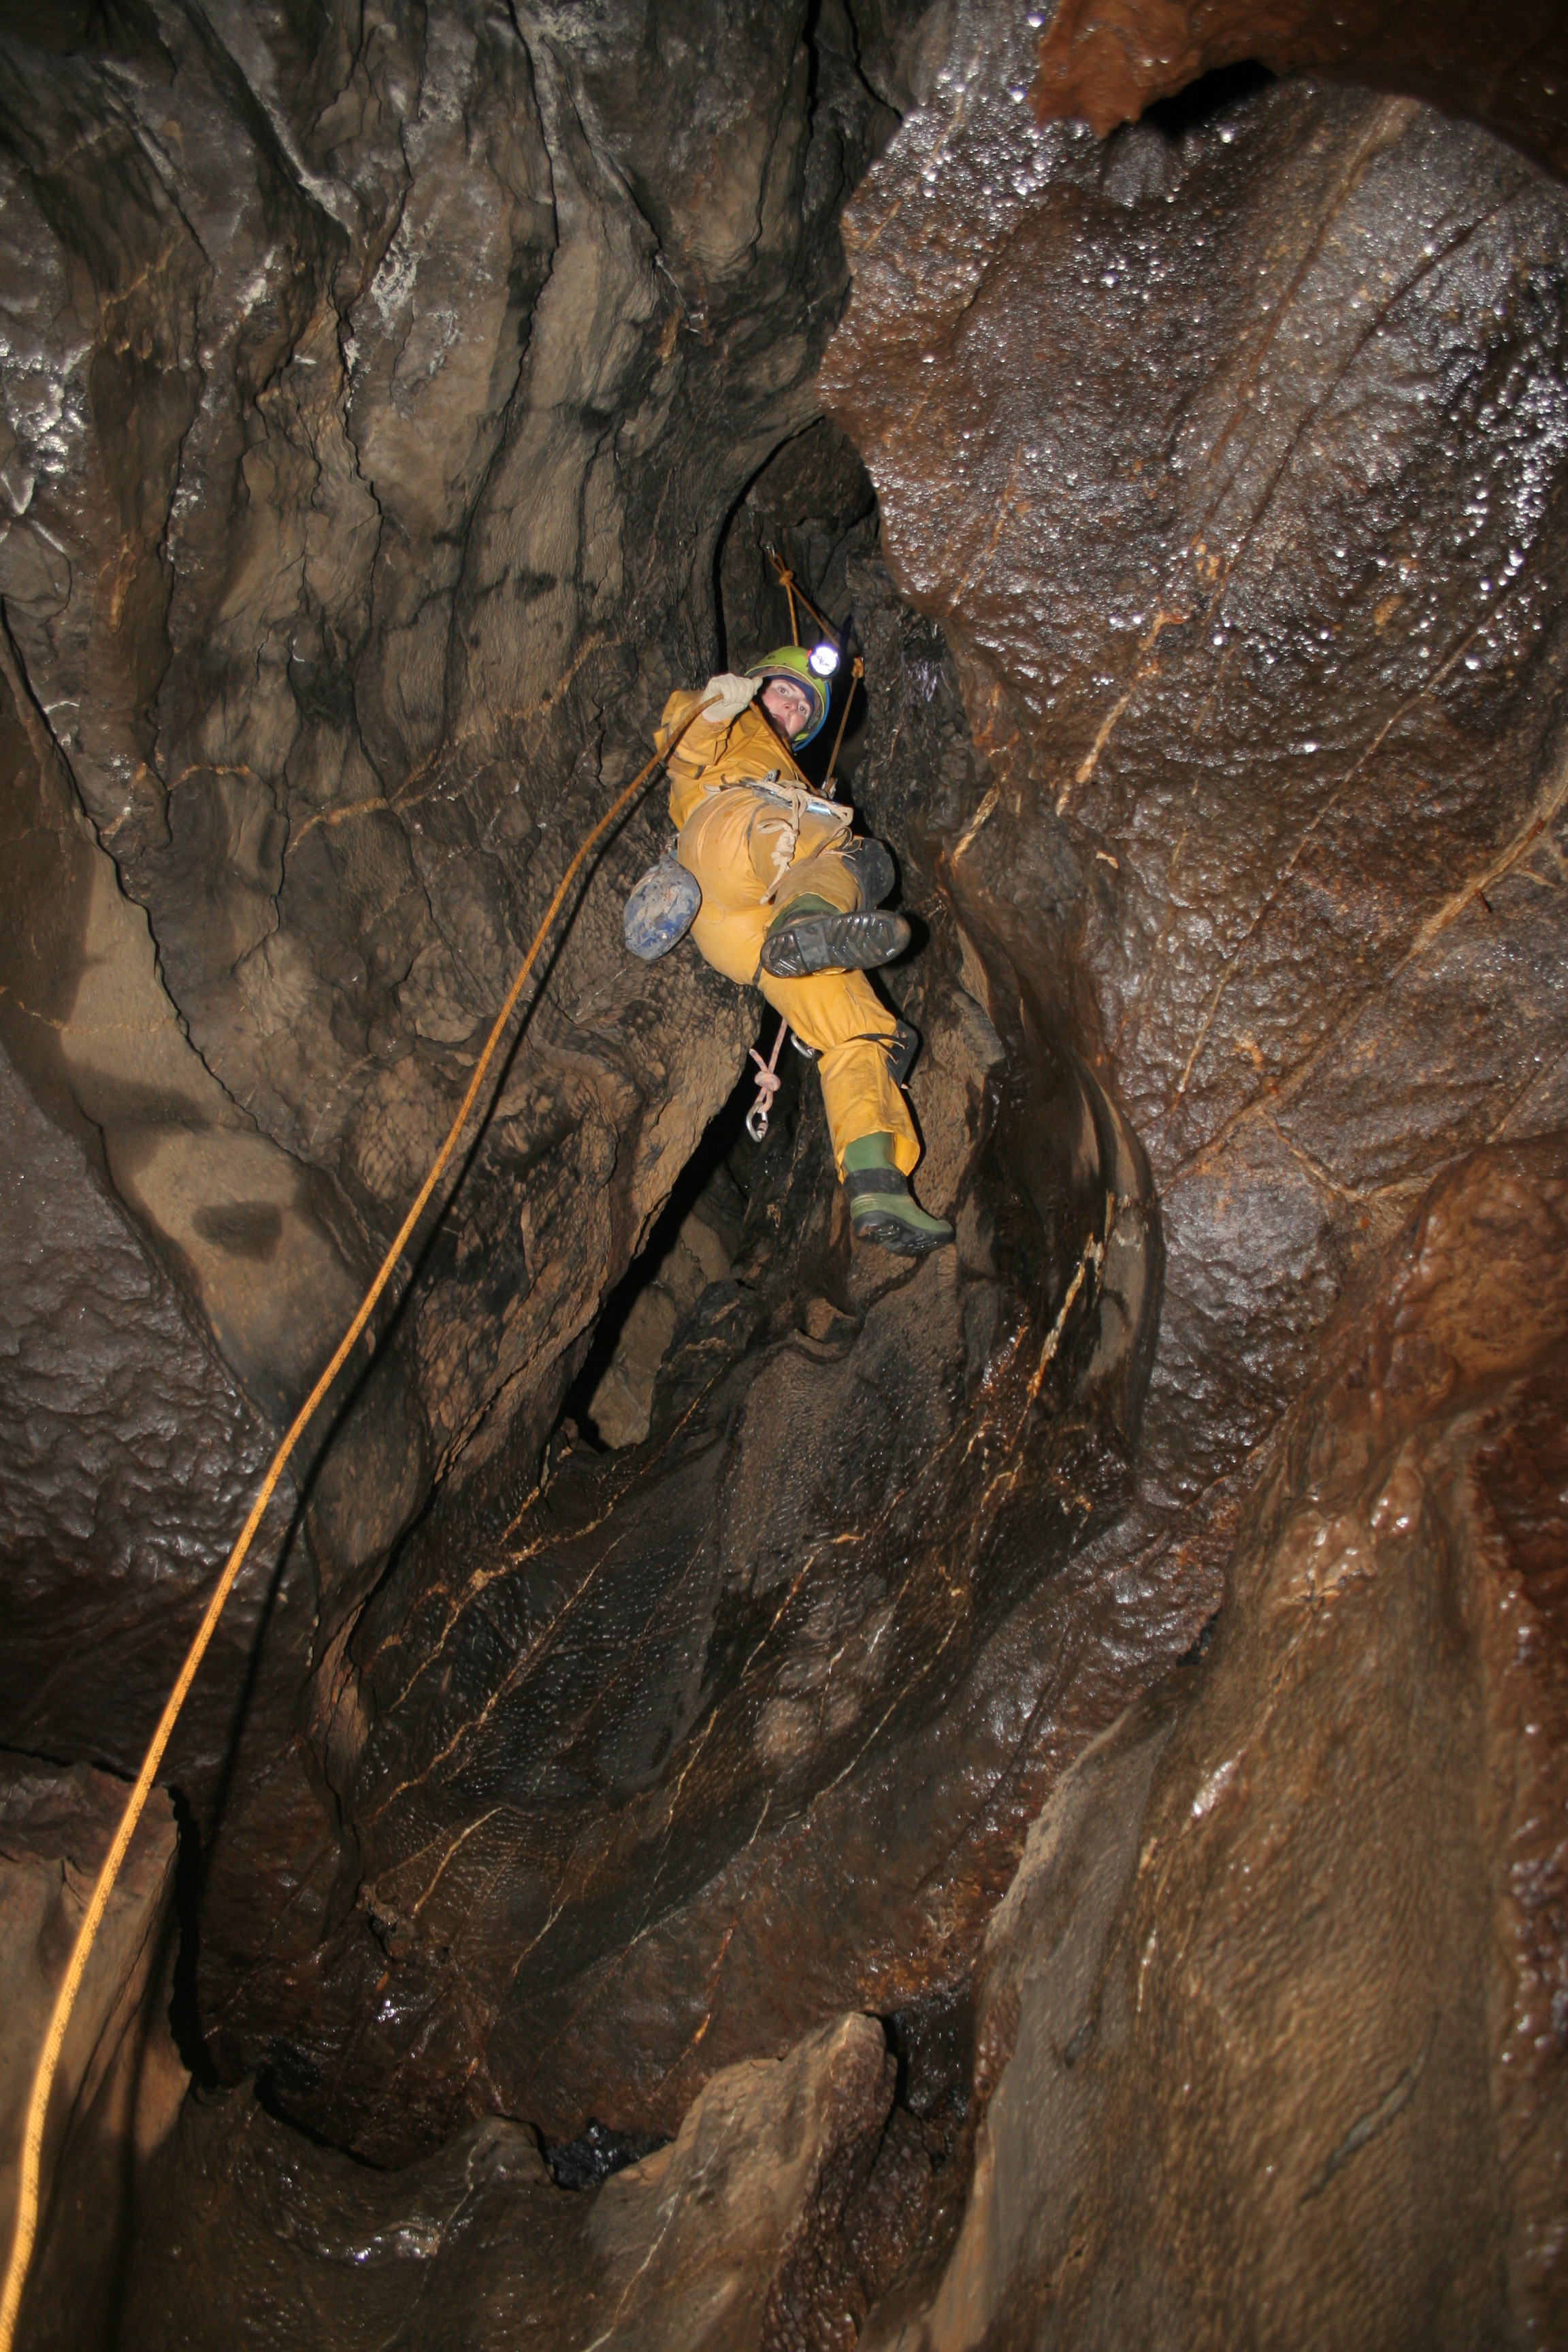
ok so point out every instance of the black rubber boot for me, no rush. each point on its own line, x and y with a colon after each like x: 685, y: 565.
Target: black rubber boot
x: 872, y: 866
x: 809, y: 937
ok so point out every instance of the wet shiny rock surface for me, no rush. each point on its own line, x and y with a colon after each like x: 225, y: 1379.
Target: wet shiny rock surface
x: 1294, y: 1930
x: 741, y: 2230
x: 1106, y: 60
x: 783, y: 1672
x: 942, y: 1757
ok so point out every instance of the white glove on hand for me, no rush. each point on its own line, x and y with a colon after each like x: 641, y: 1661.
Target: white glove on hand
x: 734, y: 694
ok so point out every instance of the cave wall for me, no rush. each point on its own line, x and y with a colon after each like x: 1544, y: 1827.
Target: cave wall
x: 1227, y: 454
x: 1106, y: 61
x: 393, y: 404
x: 1271, y: 2013
x: 795, y: 1671
x: 1249, y: 547
x: 121, y: 2082
x: 374, y: 406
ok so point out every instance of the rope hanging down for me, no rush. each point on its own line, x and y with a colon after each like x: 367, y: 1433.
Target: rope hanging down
x: 92, y: 1918
x: 831, y: 781
x: 786, y: 582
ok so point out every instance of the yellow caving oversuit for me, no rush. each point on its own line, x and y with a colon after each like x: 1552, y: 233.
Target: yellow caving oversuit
x: 755, y: 838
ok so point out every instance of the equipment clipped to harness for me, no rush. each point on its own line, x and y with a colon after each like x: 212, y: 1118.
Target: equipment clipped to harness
x: 661, y: 909
x: 768, y: 1084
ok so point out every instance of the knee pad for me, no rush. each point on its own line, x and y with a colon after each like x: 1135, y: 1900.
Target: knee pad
x: 660, y: 910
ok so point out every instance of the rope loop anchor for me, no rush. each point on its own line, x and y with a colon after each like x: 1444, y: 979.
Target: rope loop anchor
x: 768, y: 1084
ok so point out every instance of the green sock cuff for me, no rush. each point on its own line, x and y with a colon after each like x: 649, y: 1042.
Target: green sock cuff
x: 868, y: 1151
x: 807, y: 904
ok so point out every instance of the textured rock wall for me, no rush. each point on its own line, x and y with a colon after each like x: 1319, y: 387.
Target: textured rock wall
x: 120, y: 2083
x: 734, y: 2233
x: 1229, y: 460
x: 1231, y: 465
x: 376, y: 390
x: 1108, y: 59
x: 794, y: 1674
x: 1275, y: 2005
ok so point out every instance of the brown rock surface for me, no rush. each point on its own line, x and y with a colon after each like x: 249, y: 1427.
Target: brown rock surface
x: 733, y: 2234
x: 1230, y: 464
x: 1108, y: 59
x: 372, y: 408
x: 789, y: 1675
x: 1276, y: 2012
x: 399, y: 403
x: 120, y: 2083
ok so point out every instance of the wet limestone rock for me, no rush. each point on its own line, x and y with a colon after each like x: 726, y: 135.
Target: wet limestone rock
x: 741, y: 2232
x: 1229, y: 462
x: 120, y: 2080
x: 1273, y: 2034
x: 379, y: 400
x: 794, y: 1675
x: 1218, y: 453
x: 672, y: 1278
x: 374, y: 396
x: 1108, y: 59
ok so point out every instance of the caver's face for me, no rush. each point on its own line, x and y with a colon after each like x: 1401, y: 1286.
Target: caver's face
x: 788, y: 705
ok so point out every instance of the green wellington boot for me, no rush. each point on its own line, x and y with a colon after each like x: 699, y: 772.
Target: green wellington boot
x: 811, y: 936
x: 881, y: 1207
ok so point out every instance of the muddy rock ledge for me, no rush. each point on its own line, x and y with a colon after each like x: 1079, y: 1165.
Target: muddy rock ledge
x: 754, y: 1793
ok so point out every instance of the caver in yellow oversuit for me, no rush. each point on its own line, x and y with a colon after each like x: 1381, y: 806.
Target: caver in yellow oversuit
x: 790, y: 904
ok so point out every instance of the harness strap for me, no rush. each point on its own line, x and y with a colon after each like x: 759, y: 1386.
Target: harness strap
x: 802, y: 804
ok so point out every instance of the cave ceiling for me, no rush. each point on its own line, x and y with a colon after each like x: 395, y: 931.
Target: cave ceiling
x: 400, y: 402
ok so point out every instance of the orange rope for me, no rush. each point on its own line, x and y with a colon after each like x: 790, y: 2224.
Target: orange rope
x: 857, y: 672
x: 65, y: 2000
x: 786, y: 582
x: 794, y: 590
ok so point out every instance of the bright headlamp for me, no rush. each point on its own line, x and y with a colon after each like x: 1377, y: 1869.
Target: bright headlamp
x: 823, y: 659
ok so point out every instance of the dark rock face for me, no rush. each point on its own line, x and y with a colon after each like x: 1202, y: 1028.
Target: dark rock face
x: 1249, y: 547
x: 1282, y: 1970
